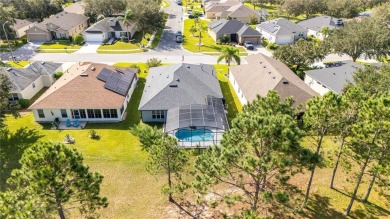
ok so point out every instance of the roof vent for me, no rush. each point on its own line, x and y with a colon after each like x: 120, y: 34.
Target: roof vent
x: 84, y: 75
x: 178, y: 80
x: 8, y: 69
x: 334, y: 73
x: 188, y: 66
x: 273, y: 77
x: 269, y: 72
x: 260, y: 62
x: 285, y: 82
x: 42, y: 63
x: 264, y: 66
x: 93, y: 68
x: 173, y: 85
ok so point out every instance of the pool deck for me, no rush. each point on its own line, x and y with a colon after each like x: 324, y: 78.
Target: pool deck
x: 199, y: 144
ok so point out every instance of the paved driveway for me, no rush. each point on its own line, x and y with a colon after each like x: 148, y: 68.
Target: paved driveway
x: 90, y: 47
x: 25, y: 52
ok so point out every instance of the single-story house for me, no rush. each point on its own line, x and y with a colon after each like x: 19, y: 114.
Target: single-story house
x: 28, y: 81
x: 334, y: 77
x: 76, y: 8
x: 263, y: 74
x: 315, y: 25
x: 59, y: 26
x: 281, y: 31
x: 20, y: 26
x: 236, y: 30
x: 239, y: 12
x: 89, y: 92
x: 187, y: 98
x: 212, y: 8
x: 108, y: 28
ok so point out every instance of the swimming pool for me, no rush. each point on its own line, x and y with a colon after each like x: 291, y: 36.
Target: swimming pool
x: 195, y: 135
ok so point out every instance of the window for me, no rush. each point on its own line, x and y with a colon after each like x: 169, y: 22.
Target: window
x: 63, y: 35
x: 91, y: 114
x: 82, y: 114
x: 114, y: 113
x: 106, y: 113
x: 33, y: 85
x: 64, y: 114
x: 158, y: 114
x: 14, y: 97
x: 98, y: 113
x: 41, y: 114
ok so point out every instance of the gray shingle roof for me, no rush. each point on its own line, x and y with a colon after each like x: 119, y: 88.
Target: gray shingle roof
x: 336, y: 77
x: 23, y: 77
x: 317, y: 23
x: 64, y: 20
x: 20, y: 23
x: 105, y: 27
x: 232, y: 26
x: 178, y: 85
x: 280, y: 26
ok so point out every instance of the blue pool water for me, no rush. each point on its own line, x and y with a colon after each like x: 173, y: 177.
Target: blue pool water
x: 195, y: 135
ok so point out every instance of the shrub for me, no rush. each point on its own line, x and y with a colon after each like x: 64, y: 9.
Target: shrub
x: 153, y: 62
x: 57, y: 75
x: 135, y: 66
x: 24, y: 103
x: 224, y: 39
x: 253, y: 19
x: 93, y: 135
x: 273, y: 46
x: 264, y: 43
x: 78, y: 39
x: 24, y: 40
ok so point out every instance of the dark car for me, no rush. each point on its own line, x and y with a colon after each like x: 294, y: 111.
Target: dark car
x: 249, y: 45
x: 179, y: 39
x: 179, y: 33
x: 192, y: 16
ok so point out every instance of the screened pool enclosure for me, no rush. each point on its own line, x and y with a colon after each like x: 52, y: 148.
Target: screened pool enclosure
x: 197, y: 125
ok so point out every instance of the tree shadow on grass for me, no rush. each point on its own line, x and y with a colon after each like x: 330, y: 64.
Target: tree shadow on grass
x: 227, y: 93
x: 320, y: 207
x: 12, y: 146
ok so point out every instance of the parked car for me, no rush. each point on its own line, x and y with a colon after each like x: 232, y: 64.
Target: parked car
x: 179, y: 33
x: 179, y: 39
x: 192, y: 16
x: 178, y: 2
x: 249, y: 45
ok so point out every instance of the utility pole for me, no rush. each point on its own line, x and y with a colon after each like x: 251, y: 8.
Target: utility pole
x: 6, y: 37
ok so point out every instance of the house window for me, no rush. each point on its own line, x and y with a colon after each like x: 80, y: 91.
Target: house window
x: 91, y: 114
x: 33, y: 85
x: 114, y: 113
x: 64, y: 114
x: 14, y: 97
x: 41, y: 114
x: 83, y: 115
x: 63, y: 35
x: 98, y: 113
x: 106, y: 113
x: 158, y: 114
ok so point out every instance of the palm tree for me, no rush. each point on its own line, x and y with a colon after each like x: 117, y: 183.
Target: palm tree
x: 193, y: 30
x: 325, y: 31
x: 128, y: 20
x: 229, y: 54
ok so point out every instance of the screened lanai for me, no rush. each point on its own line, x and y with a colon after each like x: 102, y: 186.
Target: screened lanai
x: 197, y: 125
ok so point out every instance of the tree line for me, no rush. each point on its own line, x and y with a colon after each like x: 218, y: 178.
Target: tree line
x: 263, y: 150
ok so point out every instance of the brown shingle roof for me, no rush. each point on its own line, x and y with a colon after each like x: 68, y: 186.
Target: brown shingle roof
x: 20, y: 23
x: 75, y: 91
x: 263, y: 73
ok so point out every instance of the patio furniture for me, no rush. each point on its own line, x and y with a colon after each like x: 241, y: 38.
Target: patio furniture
x: 76, y: 123
x: 68, y: 123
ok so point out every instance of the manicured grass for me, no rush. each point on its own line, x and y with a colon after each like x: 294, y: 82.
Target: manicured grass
x: 209, y: 46
x: 18, y: 64
x: 58, y: 48
x: 120, y: 47
x: 15, y: 44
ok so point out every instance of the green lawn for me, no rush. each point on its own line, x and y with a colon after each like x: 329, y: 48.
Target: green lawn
x: 15, y: 44
x: 120, y: 47
x: 209, y: 46
x: 18, y: 64
x: 272, y: 9
x: 58, y: 47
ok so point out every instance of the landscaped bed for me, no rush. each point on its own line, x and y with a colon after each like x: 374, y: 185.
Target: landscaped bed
x: 58, y: 47
x: 18, y: 64
x: 209, y: 46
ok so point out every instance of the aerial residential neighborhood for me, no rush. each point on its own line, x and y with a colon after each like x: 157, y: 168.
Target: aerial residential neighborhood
x: 194, y: 109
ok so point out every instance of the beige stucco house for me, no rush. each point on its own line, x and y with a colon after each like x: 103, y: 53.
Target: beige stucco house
x: 20, y: 26
x: 60, y: 26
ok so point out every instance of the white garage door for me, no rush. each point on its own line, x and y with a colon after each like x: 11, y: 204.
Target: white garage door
x: 94, y: 37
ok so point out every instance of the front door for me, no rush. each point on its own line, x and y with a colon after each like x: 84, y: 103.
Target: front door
x: 53, y: 35
x: 233, y: 38
x: 113, y: 34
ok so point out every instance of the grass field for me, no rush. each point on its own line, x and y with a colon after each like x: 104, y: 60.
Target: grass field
x: 18, y: 64
x: 273, y: 11
x: 133, y: 193
x: 209, y: 46
x: 58, y: 48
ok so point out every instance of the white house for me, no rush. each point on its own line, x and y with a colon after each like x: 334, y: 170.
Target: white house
x: 28, y: 81
x: 334, y: 77
x: 281, y: 31
x: 262, y: 74
x: 315, y: 25
x: 108, y: 28
x: 88, y: 92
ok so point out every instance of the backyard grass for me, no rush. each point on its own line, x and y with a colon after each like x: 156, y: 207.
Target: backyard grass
x: 209, y: 46
x: 58, y: 47
x: 18, y: 64
x: 273, y: 12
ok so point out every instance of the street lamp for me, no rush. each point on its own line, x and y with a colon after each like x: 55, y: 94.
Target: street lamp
x: 6, y: 37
